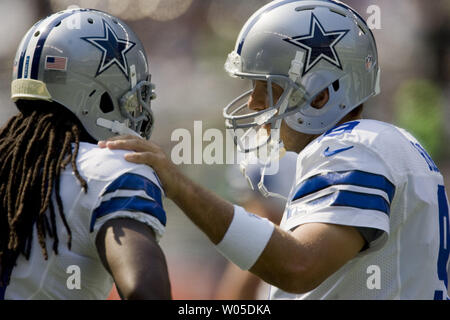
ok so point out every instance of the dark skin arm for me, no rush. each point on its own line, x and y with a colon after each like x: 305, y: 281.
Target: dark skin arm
x: 129, y: 251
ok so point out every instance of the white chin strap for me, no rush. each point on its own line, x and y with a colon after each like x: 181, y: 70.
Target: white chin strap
x: 261, y: 186
x: 269, y: 166
x: 276, y: 148
x: 120, y: 128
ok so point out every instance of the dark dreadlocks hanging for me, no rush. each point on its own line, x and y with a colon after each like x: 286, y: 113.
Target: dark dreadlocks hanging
x: 35, y: 145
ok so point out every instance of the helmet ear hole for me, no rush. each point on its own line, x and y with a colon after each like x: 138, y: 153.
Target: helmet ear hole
x: 106, y: 104
x: 336, y: 85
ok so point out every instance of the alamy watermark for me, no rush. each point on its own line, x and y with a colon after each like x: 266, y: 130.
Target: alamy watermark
x: 374, y: 19
x: 73, y: 281
x: 374, y: 279
x: 214, y: 146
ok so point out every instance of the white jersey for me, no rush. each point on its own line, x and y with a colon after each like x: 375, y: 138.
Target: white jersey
x: 116, y: 189
x: 371, y: 174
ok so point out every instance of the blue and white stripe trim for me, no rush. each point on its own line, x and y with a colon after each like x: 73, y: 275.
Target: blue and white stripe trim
x: 354, y: 188
x: 33, y: 45
x: 132, y: 193
x: 133, y: 181
x: 24, y: 47
x: 343, y: 198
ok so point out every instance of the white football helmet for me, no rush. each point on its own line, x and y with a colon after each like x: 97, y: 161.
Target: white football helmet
x: 92, y: 64
x: 304, y: 47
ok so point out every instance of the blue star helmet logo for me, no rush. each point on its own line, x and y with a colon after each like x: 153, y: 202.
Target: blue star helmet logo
x: 113, y: 50
x: 319, y: 44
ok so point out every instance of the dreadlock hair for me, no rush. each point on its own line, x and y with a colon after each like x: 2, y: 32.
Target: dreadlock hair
x: 35, y: 145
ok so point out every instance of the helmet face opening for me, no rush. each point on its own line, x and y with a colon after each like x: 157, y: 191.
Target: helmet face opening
x: 250, y: 126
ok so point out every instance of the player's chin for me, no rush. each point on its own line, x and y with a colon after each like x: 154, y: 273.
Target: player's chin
x: 293, y: 140
x: 290, y: 147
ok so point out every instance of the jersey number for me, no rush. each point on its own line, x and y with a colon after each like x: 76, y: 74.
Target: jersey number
x: 444, y: 242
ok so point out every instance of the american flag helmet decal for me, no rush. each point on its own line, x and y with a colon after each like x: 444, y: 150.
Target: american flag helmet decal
x: 55, y: 63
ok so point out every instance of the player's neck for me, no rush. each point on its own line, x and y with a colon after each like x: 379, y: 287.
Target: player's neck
x: 350, y: 117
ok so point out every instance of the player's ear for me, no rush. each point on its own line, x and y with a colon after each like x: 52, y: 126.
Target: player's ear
x: 321, y: 99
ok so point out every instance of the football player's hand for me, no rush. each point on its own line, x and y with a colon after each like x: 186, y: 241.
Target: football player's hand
x: 149, y: 153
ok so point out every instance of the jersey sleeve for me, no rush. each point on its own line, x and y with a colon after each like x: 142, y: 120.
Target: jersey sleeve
x: 342, y: 182
x: 135, y: 194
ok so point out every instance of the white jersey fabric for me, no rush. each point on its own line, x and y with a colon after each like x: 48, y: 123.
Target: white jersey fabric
x: 371, y: 174
x: 116, y: 189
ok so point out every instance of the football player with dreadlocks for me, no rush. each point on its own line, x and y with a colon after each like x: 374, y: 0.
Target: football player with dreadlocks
x: 79, y: 76
x: 367, y: 217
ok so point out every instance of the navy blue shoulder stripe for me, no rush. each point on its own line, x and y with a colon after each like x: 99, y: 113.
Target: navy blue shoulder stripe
x: 353, y: 177
x: 361, y: 201
x: 131, y: 204
x: 5, y: 276
x: 132, y: 181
